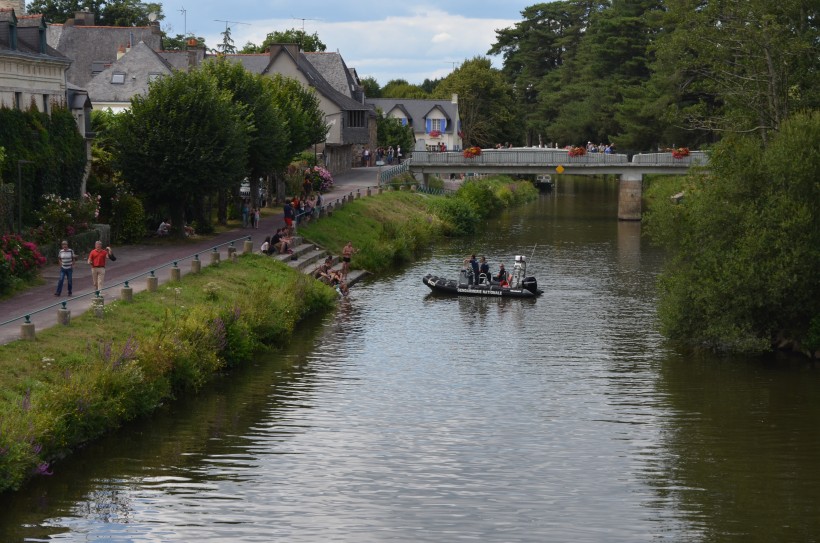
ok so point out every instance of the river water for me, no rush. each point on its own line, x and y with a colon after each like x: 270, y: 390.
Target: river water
x: 410, y: 417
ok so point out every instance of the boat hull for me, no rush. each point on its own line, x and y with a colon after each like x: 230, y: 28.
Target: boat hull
x: 452, y: 287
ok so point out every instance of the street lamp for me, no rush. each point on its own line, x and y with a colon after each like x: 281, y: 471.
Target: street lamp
x: 20, y: 193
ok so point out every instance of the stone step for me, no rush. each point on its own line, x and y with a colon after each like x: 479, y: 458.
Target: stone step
x: 307, y: 259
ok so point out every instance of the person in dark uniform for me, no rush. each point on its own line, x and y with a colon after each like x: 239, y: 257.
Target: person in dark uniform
x: 484, y: 269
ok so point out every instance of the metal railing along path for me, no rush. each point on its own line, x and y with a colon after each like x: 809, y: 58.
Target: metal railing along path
x: 79, y: 300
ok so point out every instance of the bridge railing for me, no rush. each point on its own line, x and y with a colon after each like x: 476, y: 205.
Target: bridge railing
x: 695, y: 158
x: 490, y: 157
x: 389, y: 173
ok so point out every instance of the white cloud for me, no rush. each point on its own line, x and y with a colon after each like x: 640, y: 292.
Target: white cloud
x: 414, y: 44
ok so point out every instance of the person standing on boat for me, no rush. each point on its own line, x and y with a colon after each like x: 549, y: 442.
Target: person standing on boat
x: 474, y: 267
x: 484, y: 269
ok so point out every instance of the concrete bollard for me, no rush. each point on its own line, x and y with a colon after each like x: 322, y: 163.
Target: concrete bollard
x: 152, y: 283
x: 196, y: 265
x: 27, y: 330
x: 233, y: 256
x: 358, y: 193
x: 369, y: 193
x: 98, y: 305
x: 127, y: 293
x: 215, y: 257
x: 247, y: 247
x: 63, y: 316
x: 350, y: 197
x: 381, y: 189
x: 176, y: 273
x: 231, y: 251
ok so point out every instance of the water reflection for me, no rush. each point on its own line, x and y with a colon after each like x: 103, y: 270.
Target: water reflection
x: 411, y: 417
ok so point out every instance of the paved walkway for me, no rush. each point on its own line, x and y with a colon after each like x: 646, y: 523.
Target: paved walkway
x: 137, y: 260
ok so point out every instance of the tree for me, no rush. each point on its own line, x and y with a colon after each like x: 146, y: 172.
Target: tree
x: 129, y: 13
x: 110, y: 13
x: 226, y: 47
x: 371, y: 87
x: 744, y: 244
x: 485, y: 103
x: 309, y: 43
x: 185, y: 138
x: 390, y: 131
x: 180, y: 42
x: 268, y: 137
x: 536, y: 52
x: 399, y: 88
x: 741, y: 66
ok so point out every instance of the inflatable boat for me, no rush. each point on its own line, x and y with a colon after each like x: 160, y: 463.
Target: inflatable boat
x: 520, y: 285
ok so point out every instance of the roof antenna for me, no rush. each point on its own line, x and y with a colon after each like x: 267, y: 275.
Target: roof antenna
x: 184, y: 13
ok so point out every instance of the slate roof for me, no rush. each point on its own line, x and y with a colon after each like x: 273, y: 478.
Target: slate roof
x: 262, y: 63
x: 137, y: 66
x: 92, y: 48
x: 417, y: 110
x: 333, y: 69
x: 28, y: 40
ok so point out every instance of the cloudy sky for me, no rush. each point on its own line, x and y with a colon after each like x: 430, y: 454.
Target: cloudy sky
x: 386, y: 39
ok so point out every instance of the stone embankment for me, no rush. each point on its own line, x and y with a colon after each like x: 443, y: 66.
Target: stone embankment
x: 310, y: 256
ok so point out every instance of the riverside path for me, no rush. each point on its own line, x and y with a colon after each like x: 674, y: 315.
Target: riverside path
x: 140, y: 259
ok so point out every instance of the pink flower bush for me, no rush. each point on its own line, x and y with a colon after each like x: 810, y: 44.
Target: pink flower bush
x: 320, y: 178
x: 22, y: 257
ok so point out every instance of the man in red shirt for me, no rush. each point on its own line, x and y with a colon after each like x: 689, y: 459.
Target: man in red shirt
x: 97, y: 258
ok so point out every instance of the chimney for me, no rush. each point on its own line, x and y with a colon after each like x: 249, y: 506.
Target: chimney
x: 19, y: 6
x: 83, y: 18
x: 120, y: 51
x: 292, y: 48
x: 193, y: 54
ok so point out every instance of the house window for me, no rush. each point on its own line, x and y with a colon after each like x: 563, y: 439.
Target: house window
x: 153, y: 77
x: 356, y: 119
x: 46, y: 104
x: 117, y: 78
x: 437, y: 124
x: 18, y: 100
x: 97, y: 66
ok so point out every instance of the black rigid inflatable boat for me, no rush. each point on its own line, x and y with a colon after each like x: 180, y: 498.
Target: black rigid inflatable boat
x: 520, y: 286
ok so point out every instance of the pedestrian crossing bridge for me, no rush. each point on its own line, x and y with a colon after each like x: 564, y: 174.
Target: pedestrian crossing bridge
x: 541, y: 161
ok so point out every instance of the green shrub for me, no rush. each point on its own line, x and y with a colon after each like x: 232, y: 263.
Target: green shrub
x: 458, y: 215
x: 127, y: 219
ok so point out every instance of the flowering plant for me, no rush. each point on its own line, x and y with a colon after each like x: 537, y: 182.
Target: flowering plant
x: 64, y: 217
x: 577, y: 151
x: 471, y: 152
x: 22, y: 257
x: 680, y: 152
x: 320, y: 178
x: 435, y: 133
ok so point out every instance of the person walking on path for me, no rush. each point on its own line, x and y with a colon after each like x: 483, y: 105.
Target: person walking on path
x: 67, y: 258
x: 97, y: 258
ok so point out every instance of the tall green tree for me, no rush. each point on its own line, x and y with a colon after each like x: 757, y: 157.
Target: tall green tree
x: 745, y: 243
x: 741, y: 66
x: 486, y: 104
x: 310, y: 43
x: 371, y: 87
x: 535, y: 51
x: 390, y: 131
x: 185, y: 138
x: 269, y: 133
x: 106, y: 12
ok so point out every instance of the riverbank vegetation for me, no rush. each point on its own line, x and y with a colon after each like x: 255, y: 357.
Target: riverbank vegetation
x: 394, y: 227
x: 744, y: 244
x: 76, y: 382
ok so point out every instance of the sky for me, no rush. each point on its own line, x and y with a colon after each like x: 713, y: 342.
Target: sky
x: 412, y: 40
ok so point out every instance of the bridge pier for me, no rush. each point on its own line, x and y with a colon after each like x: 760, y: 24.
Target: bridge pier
x: 629, y: 196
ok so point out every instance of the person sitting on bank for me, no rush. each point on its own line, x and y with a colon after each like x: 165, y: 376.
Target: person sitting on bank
x: 164, y: 228
x: 503, y: 278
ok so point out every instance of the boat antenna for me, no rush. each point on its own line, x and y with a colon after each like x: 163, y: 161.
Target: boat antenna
x: 533, y: 251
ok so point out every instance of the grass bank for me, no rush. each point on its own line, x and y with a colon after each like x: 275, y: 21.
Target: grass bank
x: 392, y: 228
x: 73, y: 383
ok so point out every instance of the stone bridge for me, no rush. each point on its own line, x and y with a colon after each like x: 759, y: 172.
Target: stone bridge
x: 551, y: 161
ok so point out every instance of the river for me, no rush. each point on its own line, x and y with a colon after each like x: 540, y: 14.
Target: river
x: 409, y: 417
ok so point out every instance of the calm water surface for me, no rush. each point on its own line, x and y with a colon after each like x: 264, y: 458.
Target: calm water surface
x: 410, y: 417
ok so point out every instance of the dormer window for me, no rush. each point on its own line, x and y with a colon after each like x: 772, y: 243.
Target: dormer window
x: 117, y: 78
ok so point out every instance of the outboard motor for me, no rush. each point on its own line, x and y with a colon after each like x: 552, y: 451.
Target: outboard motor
x: 519, y: 271
x: 531, y: 284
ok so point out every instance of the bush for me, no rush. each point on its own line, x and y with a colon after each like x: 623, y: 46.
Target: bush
x: 459, y: 215
x: 127, y: 219
x: 23, y: 258
x: 61, y: 218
